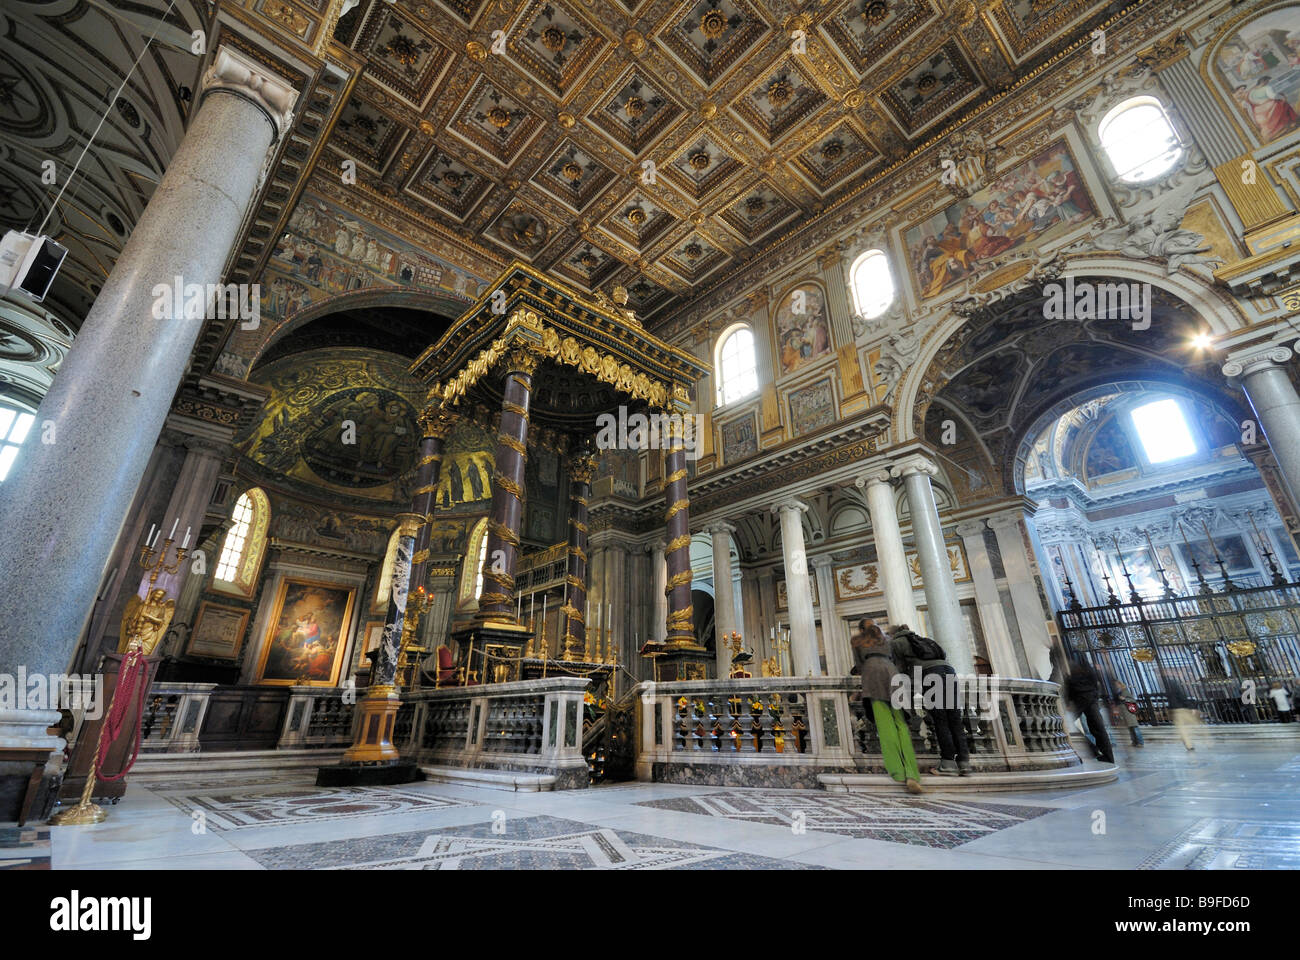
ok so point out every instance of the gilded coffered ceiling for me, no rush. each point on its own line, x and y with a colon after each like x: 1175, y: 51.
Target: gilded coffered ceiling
x: 655, y: 143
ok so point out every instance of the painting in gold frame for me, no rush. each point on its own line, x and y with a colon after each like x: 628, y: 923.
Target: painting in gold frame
x: 218, y: 631
x: 307, y: 635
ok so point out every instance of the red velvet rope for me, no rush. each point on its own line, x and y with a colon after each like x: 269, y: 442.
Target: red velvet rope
x: 132, y: 679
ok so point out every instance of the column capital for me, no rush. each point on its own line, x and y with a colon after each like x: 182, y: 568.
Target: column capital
x: 872, y: 477
x: 790, y: 503
x: 1005, y: 521
x: 656, y: 546
x: 234, y: 73
x: 582, y: 467
x: 915, y: 463
x: 970, y: 528
x: 720, y: 526
x: 821, y: 562
x: 1248, y: 360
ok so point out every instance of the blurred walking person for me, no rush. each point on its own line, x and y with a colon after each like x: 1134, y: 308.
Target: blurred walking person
x: 1128, y: 713
x: 1183, y: 711
x: 1083, y: 691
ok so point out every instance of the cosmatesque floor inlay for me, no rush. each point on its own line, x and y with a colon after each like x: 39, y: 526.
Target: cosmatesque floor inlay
x: 235, y: 808
x: 932, y: 822
x: 523, y: 843
x: 1222, y: 844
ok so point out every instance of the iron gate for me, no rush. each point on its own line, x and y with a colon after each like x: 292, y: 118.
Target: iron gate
x: 1223, y: 649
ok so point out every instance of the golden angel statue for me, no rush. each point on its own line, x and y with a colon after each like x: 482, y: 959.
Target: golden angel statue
x: 146, y: 620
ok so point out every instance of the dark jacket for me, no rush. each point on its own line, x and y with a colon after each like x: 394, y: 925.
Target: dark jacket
x: 1082, y: 686
x: 907, y: 659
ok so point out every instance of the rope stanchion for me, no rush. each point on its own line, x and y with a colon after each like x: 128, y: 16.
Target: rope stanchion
x: 133, y: 677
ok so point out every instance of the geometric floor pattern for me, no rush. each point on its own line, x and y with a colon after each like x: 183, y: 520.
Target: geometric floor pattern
x: 1221, y: 844
x: 935, y: 822
x: 523, y: 843
x: 235, y: 810
x: 25, y: 848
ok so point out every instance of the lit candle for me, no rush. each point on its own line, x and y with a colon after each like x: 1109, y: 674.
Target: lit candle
x: 187, y: 538
x: 175, y: 523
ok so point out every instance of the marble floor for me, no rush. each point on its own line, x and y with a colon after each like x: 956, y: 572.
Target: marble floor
x: 1225, y: 806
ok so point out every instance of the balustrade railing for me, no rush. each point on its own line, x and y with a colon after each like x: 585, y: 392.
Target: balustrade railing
x: 318, y: 717
x: 527, y: 725
x: 173, y: 715
x: 690, y: 729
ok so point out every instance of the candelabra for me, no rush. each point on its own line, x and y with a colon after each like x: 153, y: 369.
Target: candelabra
x: 147, y: 617
x: 417, y: 603
x: 782, y: 644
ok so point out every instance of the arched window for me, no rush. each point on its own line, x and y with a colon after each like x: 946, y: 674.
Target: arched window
x: 14, y: 424
x: 1140, y: 140
x: 872, y: 284
x: 736, y: 364
x: 478, y: 578
x: 241, y: 550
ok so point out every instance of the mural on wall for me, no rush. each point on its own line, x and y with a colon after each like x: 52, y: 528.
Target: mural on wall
x: 309, y: 628
x: 303, y: 433
x: 301, y: 523
x: 1038, y: 199
x: 623, y: 467
x: 1231, y: 548
x: 1260, y: 65
x: 447, y: 537
x: 803, y: 327
x: 812, y: 407
x: 541, y: 511
x: 327, y: 249
x: 467, y: 465
x: 739, y: 439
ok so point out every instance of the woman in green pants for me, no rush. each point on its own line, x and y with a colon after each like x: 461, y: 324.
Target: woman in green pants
x: 873, y: 656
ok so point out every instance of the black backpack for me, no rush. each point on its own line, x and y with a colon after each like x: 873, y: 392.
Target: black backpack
x: 923, y: 648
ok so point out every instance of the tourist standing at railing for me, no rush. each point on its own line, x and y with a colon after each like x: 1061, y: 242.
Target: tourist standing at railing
x: 1128, y: 713
x: 873, y: 658
x: 940, y: 696
x: 1083, y: 691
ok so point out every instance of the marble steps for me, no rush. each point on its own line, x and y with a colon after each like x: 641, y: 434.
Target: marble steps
x: 167, y: 765
x: 510, y: 780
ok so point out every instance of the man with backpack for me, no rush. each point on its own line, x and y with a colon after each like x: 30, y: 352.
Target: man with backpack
x: 914, y: 650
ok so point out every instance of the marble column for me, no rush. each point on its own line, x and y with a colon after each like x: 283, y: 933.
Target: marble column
x: 798, y: 591
x: 65, y: 501
x: 724, y: 600
x: 944, y: 612
x: 581, y: 469
x: 659, y: 576
x: 1001, y: 650
x: 891, y: 558
x: 680, y: 623
x: 188, y: 504
x: 835, y: 633
x: 378, y: 711
x: 497, y: 601
x: 1031, y: 618
x: 1273, y: 398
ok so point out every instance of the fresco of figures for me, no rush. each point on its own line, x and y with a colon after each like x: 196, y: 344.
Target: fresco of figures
x: 327, y: 249
x: 1260, y: 65
x: 1034, y: 200
x: 803, y: 329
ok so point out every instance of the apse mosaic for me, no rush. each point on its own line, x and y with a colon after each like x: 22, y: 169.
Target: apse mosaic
x: 1260, y: 66
x: 303, y: 432
x: 1037, y: 200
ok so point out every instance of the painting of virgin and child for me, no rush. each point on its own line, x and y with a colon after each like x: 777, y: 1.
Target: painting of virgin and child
x: 309, y: 628
x: 1042, y: 196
